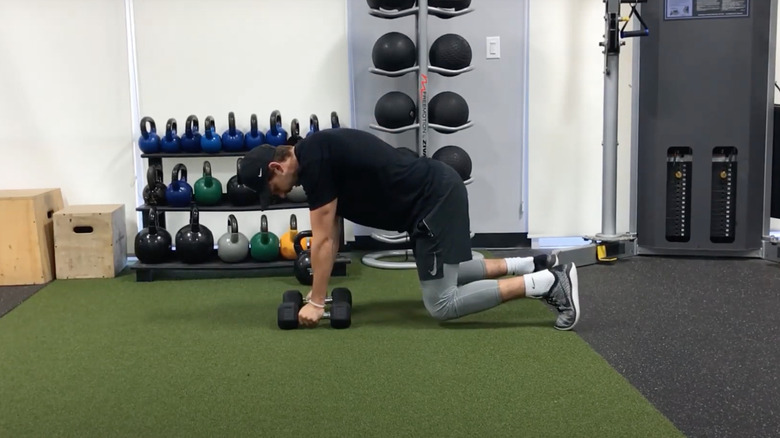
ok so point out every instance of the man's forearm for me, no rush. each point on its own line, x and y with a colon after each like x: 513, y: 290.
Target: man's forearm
x: 322, y: 257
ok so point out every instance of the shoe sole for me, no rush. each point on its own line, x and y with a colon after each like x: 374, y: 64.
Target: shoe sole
x: 575, y: 297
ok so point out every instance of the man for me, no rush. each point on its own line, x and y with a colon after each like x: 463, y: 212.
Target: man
x: 355, y: 175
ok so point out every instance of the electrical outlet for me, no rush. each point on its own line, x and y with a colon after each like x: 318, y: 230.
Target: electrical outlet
x: 493, y: 47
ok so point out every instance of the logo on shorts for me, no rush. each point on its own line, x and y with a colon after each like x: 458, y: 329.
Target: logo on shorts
x: 435, y: 266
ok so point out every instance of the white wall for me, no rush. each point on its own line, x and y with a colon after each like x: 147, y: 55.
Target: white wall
x: 566, y: 93
x: 65, y: 111
x: 209, y: 58
x: 65, y: 108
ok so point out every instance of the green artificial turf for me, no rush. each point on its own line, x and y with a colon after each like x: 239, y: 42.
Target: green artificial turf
x: 203, y: 357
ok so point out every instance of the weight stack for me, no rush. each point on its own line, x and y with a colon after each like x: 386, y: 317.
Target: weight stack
x: 717, y: 115
x: 724, y: 195
x: 775, y: 209
x: 678, y: 195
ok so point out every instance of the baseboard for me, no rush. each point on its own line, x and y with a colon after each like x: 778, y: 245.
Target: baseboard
x: 481, y: 240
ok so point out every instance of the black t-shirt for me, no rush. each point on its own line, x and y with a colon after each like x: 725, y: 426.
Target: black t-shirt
x: 376, y: 184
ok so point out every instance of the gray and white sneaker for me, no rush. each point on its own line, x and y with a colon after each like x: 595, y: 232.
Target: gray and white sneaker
x: 564, y: 296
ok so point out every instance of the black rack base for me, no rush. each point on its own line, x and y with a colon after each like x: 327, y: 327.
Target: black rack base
x: 145, y: 272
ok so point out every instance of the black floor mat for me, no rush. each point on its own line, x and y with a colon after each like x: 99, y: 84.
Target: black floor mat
x: 698, y: 337
x: 12, y: 296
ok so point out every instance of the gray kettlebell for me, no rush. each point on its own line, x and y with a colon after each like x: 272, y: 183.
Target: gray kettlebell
x: 297, y: 194
x: 232, y: 247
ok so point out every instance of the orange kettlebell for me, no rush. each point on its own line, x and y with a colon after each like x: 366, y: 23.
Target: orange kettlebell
x: 287, y: 247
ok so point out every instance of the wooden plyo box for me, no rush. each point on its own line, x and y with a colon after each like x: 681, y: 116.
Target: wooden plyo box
x: 90, y: 241
x: 27, y: 236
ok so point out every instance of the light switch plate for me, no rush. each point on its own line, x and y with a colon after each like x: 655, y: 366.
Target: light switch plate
x: 493, y: 48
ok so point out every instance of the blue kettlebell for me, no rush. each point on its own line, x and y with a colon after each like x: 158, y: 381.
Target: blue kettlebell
x: 210, y: 141
x: 334, y: 120
x: 190, y: 141
x: 276, y: 135
x: 179, y: 192
x: 232, y: 139
x: 254, y: 137
x: 314, y: 124
x: 169, y: 143
x: 149, y: 141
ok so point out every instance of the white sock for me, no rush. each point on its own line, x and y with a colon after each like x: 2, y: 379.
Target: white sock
x: 538, y: 283
x: 519, y: 265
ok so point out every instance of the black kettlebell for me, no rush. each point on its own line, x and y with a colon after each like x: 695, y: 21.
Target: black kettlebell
x: 154, y: 192
x: 153, y: 243
x: 194, y: 242
x: 303, y: 271
x: 239, y: 193
x: 295, y: 133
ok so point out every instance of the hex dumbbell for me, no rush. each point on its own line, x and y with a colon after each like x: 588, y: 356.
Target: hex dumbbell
x: 339, y: 314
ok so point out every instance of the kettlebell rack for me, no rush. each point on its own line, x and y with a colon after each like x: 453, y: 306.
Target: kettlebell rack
x: 422, y: 125
x: 145, y: 271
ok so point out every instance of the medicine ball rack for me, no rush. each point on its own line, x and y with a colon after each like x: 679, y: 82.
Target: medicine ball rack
x: 422, y: 10
x: 145, y: 272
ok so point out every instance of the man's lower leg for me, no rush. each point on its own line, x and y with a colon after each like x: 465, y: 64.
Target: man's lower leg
x: 482, y: 269
x: 533, y: 285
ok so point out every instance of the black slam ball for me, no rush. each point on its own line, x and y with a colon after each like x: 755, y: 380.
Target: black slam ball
x: 456, y: 158
x: 451, y: 52
x: 450, y: 4
x: 448, y: 109
x: 395, y: 110
x: 394, y: 51
x: 392, y: 5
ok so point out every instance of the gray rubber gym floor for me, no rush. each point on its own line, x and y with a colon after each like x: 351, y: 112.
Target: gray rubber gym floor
x: 12, y: 296
x: 700, y: 338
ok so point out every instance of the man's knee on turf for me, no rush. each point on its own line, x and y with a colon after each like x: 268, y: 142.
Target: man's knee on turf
x: 441, y: 304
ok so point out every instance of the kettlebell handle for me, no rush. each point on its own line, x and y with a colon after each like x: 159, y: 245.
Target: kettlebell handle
x: 293, y: 222
x: 194, y: 218
x: 153, y: 221
x: 208, y: 126
x: 276, y: 121
x: 334, y: 120
x: 179, y: 173
x: 207, y: 169
x: 314, y: 123
x: 152, y: 126
x: 170, y: 127
x: 232, y: 224
x: 297, y: 240
x: 192, y: 121
x: 253, y: 124
x: 263, y: 224
x: 152, y: 175
x: 232, y: 123
x: 295, y: 128
x: 238, y: 170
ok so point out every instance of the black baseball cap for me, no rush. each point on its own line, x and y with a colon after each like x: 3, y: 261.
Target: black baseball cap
x: 253, y: 172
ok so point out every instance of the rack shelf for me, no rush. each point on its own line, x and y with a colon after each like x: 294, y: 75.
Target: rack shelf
x: 145, y: 272
x: 393, y: 74
x: 448, y: 13
x: 194, y: 154
x: 226, y: 205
